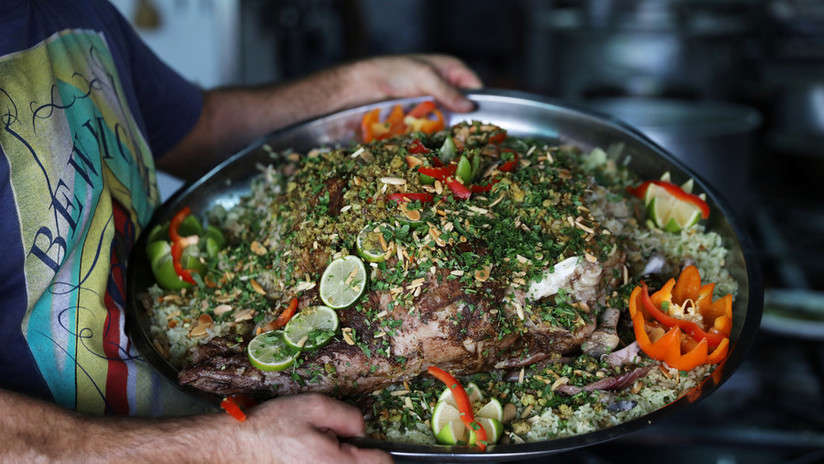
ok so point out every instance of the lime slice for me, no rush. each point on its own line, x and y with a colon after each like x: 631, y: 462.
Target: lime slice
x: 270, y: 352
x: 311, y: 328
x: 493, y: 427
x: 668, y: 212
x: 369, y: 244
x: 343, y: 282
x: 475, y: 394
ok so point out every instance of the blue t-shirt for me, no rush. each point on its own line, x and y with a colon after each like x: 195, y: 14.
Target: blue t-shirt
x: 84, y: 106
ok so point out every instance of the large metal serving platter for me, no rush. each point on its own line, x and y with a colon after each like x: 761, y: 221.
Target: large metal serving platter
x: 521, y: 115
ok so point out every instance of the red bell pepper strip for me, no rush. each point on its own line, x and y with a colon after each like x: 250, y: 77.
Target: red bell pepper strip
x: 439, y: 173
x: 179, y: 243
x: 458, y: 189
x: 422, y: 197
x: 228, y: 404
x: 463, y: 403
x: 675, y: 191
x: 689, y: 327
x: 498, y: 137
x: 511, y: 164
x: 287, y: 314
x: 484, y: 188
x: 416, y: 147
x: 423, y: 109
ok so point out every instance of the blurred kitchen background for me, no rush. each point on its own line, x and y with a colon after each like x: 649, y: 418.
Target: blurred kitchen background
x: 735, y: 88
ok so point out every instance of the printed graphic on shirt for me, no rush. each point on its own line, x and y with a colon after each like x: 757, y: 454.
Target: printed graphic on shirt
x: 83, y: 182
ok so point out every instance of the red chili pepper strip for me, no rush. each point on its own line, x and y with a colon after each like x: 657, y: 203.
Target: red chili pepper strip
x: 423, y: 109
x: 228, y: 404
x: 439, y: 173
x: 458, y: 189
x: 422, y: 197
x: 463, y: 403
x: 416, y: 147
x: 675, y: 191
x: 287, y: 314
x: 484, y: 188
x: 691, y: 328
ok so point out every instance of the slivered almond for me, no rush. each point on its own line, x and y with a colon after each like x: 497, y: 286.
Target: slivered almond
x: 498, y: 200
x: 584, y: 228
x: 222, y: 309
x: 519, y: 310
x: 413, y: 215
x: 561, y: 381
x: 590, y: 258
x: 399, y: 393
x: 346, y: 208
x: 258, y: 249
x: 521, y: 376
x: 413, y: 161
x: 482, y: 274
x: 438, y: 187
x: 393, y: 180
x: 304, y: 285
x: 244, y: 315
x: 526, y: 412
x: 347, y: 336
x: 256, y: 286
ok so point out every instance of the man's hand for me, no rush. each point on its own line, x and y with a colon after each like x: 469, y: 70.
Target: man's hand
x: 293, y: 429
x: 304, y: 428
x: 232, y: 118
x: 413, y: 75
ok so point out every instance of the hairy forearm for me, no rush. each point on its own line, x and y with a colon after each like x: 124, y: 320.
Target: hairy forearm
x: 35, y: 431
x: 232, y: 118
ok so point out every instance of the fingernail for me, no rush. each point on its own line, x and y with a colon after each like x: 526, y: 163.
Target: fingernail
x: 463, y: 105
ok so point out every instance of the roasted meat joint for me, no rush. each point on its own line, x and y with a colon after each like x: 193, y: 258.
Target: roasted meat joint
x: 562, y: 292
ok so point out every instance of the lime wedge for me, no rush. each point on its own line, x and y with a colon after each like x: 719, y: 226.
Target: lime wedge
x: 493, y: 427
x: 270, y: 352
x: 343, y: 282
x: 452, y: 433
x: 369, y: 243
x: 447, y: 425
x: 449, y: 429
x: 311, y: 328
x: 668, y: 212
x: 475, y: 394
x: 491, y: 410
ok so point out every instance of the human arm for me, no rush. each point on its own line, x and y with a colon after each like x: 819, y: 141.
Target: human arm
x: 292, y: 429
x: 232, y: 118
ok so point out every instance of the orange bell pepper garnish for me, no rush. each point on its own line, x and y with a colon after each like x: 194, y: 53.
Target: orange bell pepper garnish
x: 686, y: 344
x: 463, y: 403
x: 398, y: 123
x: 367, y: 122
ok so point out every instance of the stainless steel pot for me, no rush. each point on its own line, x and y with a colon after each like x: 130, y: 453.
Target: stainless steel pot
x: 522, y: 115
